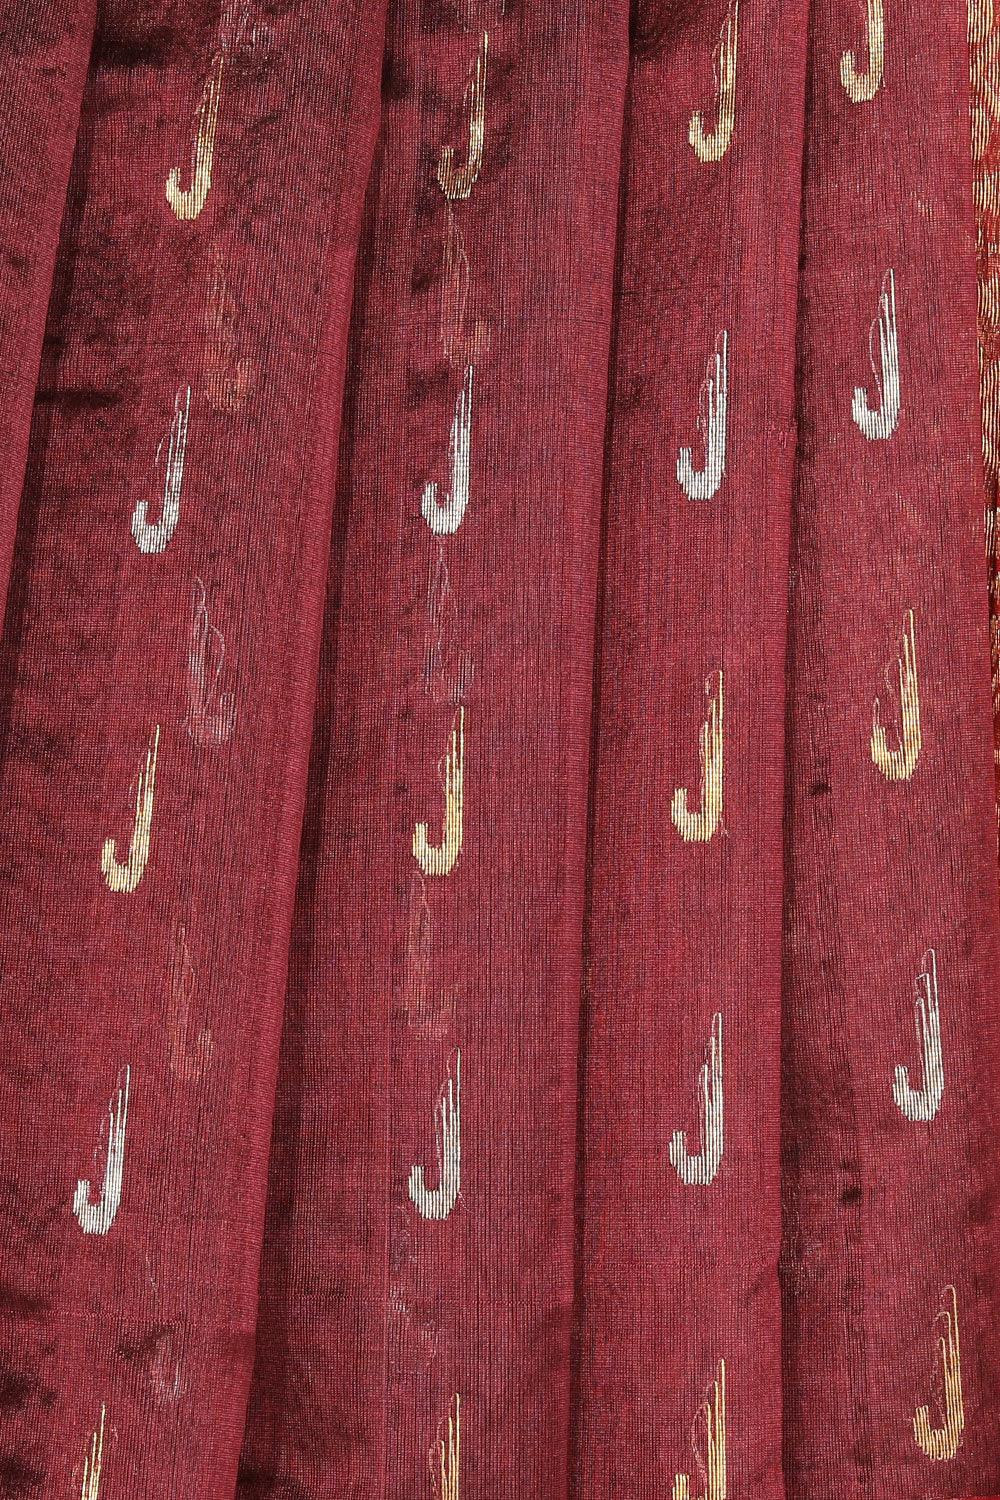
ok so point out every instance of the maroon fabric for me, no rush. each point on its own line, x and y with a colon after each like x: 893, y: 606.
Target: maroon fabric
x: 683, y: 936
x: 884, y: 1213
x: 521, y: 1096
x: 45, y: 48
x: 374, y: 1318
x: 180, y: 980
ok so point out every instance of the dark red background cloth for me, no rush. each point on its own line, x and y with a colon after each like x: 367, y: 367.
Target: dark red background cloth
x: 684, y: 936
x: 883, y: 1213
x: 157, y: 1323
x: 245, y: 327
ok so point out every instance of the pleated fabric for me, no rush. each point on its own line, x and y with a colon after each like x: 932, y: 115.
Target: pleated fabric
x: 45, y: 50
x: 889, y: 1173
x: 418, y: 1282
x: 498, y: 830
x: 680, y: 1367
x: 159, y: 684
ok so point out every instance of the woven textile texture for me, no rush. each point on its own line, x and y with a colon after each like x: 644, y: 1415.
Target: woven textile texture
x: 499, y: 697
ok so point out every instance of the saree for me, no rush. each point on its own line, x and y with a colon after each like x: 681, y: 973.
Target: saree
x: 498, y: 777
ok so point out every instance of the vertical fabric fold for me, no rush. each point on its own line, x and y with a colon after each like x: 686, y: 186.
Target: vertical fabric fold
x: 891, y: 1041
x: 43, y: 65
x: 679, y: 1388
x: 417, y: 1294
x: 985, y: 141
x: 160, y: 675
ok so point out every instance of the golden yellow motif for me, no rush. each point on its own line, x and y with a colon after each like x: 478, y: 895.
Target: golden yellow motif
x: 92, y: 1463
x: 698, y: 827
x: 864, y: 86
x: 439, y: 859
x: 711, y: 1416
x: 125, y: 877
x: 943, y: 1442
x: 899, y: 764
x: 187, y: 203
x: 445, y: 1455
x: 458, y: 182
x: 713, y: 145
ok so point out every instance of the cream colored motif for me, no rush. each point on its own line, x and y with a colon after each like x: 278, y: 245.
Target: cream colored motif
x: 445, y: 519
x: 864, y: 86
x: 187, y: 203
x: 211, y: 715
x: 713, y: 145
x: 92, y: 1462
x: 881, y: 422
x: 710, y: 1420
x: 437, y: 1203
x: 922, y: 1104
x: 701, y: 484
x: 439, y: 859
x: 97, y: 1218
x: 125, y: 877
x: 943, y: 1442
x: 699, y: 1169
x: 900, y: 762
x: 458, y: 182
x: 444, y: 1455
x: 698, y: 827
x: 154, y: 538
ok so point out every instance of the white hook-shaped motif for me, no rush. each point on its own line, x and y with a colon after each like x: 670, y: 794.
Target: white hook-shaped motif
x: 444, y: 520
x: 701, y: 484
x: 698, y: 1169
x: 156, y: 537
x: 97, y: 1218
x: 880, y: 423
x: 923, y: 1104
x: 437, y: 1203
